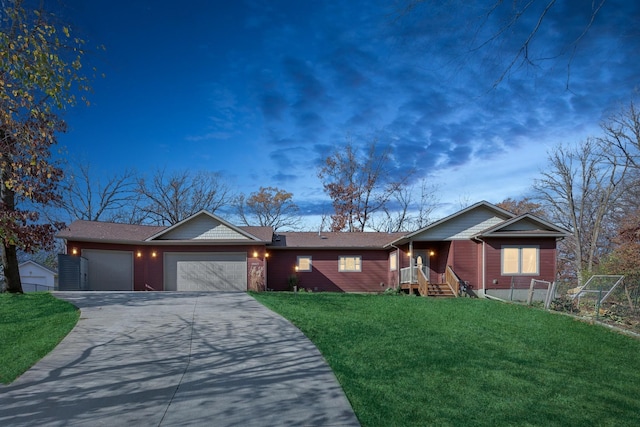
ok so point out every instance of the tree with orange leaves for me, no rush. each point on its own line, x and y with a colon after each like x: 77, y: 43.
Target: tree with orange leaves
x: 39, y: 77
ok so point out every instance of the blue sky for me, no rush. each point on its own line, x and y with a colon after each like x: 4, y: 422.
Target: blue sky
x: 263, y: 90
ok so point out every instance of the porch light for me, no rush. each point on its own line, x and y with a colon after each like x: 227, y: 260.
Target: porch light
x: 153, y: 254
x: 266, y: 254
x: 139, y: 254
x: 74, y: 251
x: 296, y: 268
x: 255, y: 254
x: 432, y: 253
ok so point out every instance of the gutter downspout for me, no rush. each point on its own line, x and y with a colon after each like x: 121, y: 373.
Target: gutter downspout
x: 484, y: 266
x: 264, y: 267
x: 484, y: 273
x: 410, y: 262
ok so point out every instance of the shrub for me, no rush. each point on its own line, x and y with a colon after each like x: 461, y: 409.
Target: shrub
x: 564, y: 304
x: 293, y: 281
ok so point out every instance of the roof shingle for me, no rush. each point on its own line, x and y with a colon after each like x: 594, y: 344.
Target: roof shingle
x: 108, y: 231
x: 97, y: 231
x: 82, y: 230
x: 333, y: 239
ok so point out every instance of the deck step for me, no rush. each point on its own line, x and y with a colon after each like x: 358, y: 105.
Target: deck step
x: 441, y: 290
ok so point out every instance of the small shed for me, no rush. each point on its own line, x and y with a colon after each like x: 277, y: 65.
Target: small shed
x: 36, y: 277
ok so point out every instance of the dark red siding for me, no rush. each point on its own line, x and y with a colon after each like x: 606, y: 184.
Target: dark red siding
x: 325, y: 275
x: 464, y: 261
x: 493, y: 270
x: 148, y: 270
x: 438, y: 253
x: 464, y: 256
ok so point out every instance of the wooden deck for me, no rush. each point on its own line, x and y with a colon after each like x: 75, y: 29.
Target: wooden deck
x: 441, y: 290
x: 415, y: 281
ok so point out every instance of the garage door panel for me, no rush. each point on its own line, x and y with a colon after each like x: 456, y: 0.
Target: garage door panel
x: 109, y: 270
x: 205, y: 271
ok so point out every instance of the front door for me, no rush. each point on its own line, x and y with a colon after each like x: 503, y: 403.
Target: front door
x: 421, y: 260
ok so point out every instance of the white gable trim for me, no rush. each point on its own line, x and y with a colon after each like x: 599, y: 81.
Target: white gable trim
x: 243, y: 234
x: 544, y: 228
x: 500, y: 215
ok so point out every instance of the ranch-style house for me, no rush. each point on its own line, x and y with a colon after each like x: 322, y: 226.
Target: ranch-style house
x: 481, y: 250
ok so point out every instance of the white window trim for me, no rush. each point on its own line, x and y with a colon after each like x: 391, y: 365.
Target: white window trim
x: 358, y: 263
x: 520, y: 252
x: 306, y: 257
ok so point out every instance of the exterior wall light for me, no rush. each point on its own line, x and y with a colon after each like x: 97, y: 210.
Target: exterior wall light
x: 74, y: 251
x: 432, y: 253
x: 139, y: 254
x: 154, y: 254
x: 255, y: 254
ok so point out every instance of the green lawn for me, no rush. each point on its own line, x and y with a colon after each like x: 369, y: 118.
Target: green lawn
x: 31, y: 325
x: 406, y: 361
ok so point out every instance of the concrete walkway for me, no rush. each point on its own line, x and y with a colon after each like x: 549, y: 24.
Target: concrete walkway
x: 177, y: 359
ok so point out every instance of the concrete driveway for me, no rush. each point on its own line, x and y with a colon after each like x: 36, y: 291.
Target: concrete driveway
x: 177, y: 359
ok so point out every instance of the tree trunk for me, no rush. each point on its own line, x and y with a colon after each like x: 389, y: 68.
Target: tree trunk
x: 9, y: 253
x: 11, y: 271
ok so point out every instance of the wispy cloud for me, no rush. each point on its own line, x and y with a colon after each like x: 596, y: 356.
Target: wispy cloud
x: 276, y: 87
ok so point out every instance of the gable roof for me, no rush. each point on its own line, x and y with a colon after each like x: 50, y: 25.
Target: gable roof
x: 482, y: 219
x: 461, y: 225
x: 91, y: 231
x: 204, y: 225
x: 525, y: 225
x: 333, y: 240
x: 37, y: 265
x: 190, y: 230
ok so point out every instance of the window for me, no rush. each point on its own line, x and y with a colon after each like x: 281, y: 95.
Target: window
x: 349, y: 263
x: 520, y: 260
x: 304, y: 263
x: 393, y: 261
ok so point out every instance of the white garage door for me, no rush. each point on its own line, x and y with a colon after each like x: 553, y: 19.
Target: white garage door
x: 205, y: 271
x: 109, y: 270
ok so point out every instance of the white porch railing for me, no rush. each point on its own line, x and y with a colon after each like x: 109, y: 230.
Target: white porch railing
x: 410, y: 274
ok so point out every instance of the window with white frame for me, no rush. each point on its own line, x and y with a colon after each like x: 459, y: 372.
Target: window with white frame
x: 393, y: 261
x: 520, y: 260
x: 304, y: 263
x: 349, y: 263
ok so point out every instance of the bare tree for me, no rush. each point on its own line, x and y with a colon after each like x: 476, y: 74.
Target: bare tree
x: 621, y: 136
x: 396, y: 216
x: 167, y: 199
x: 515, y: 24
x: 428, y: 202
x: 580, y: 187
x: 133, y: 213
x: 522, y: 206
x: 625, y: 256
x: 464, y: 200
x: 268, y: 207
x: 91, y: 198
x: 405, y: 213
x: 358, y: 185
